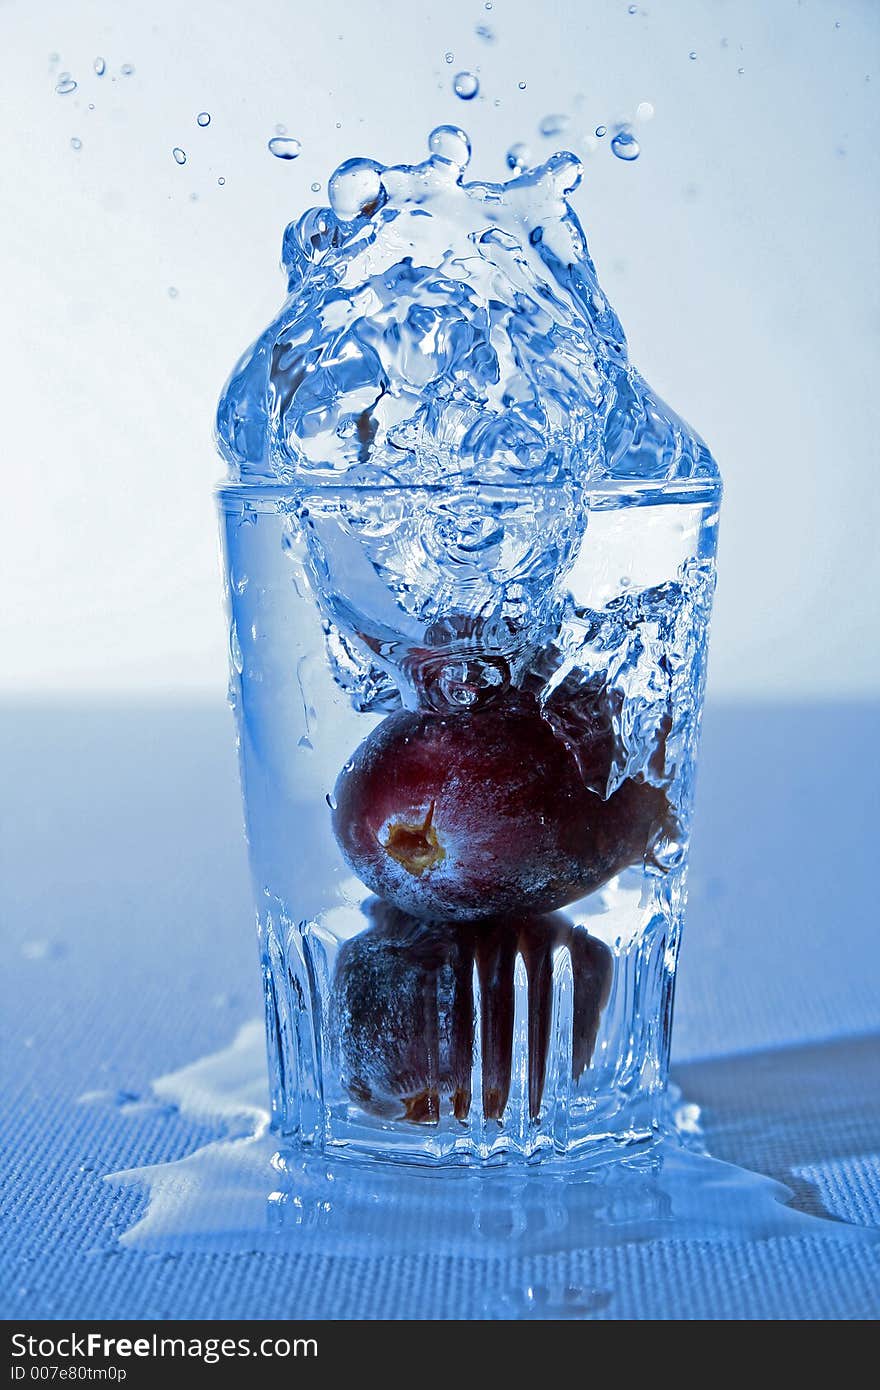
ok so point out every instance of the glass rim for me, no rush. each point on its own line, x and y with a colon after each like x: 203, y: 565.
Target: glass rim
x: 699, y: 488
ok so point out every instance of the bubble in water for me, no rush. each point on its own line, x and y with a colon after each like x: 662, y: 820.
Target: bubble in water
x: 518, y: 157
x: 179, y: 155
x: 601, y: 130
x: 126, y: 69
x: 355, y: 189
x: 450, y: 143
x: 100, y: 67
x: 553, y: 125
x: 522, y: 86
x: 203, y: 118
x: 75, y: 142
x: 485, y: 33
x: 285, y: 147
x: 625, y: 145
x: 466, y: 85
x: 450, y: 57
x: 65, y: 84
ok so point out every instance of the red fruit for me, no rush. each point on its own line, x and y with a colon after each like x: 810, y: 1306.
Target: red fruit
x: 403, y: 1010
x: 403, y: 1014
x: 484, y: 813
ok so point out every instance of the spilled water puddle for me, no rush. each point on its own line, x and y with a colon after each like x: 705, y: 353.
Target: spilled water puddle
x: 239, y: 1192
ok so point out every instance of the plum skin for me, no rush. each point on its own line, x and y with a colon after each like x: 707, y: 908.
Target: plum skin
x: 476, y: 814
x: 403, y: 1010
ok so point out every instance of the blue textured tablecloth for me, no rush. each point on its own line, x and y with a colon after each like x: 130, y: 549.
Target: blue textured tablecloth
x: 128, y: 951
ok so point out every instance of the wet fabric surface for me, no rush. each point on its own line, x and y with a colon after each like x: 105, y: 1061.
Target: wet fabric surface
x: 128, y: 951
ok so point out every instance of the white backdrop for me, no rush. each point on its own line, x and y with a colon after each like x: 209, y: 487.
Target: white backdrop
x: 740, y: 250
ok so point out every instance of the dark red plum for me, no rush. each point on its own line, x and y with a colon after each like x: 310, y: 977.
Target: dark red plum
x: 485, y: 813
x: 403, y: 1010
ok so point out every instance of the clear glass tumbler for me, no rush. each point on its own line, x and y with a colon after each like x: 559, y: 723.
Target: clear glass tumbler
x: 468, y: 802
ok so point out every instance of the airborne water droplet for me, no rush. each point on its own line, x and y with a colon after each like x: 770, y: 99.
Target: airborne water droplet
x: 692, y: 55
x: 75, y: 142
x: 354, y: 189
x: 450, y: 57
x: 601, y: 130
x: 221, y: 180
x: 553, y: 125
x: 625, y: 145
x: 172, y: 292
x: 518, y: 157
x: 315, y: 187
x: 179, y: 155
x: 522, y: 86
x: 126, y: 69
x: 100, y: 67
x: 285, y: 147
x: 466, y: 85
x: 203, y: 118
x: 65, y: 84
x: 450, y: 143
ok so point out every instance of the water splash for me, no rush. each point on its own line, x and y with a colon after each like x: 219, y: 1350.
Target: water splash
x: 443, y: 331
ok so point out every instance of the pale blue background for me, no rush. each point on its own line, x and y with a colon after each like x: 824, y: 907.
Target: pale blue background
x: 741, y: 251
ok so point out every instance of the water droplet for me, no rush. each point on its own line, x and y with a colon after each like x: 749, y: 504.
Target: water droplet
x: 285, y: 147
x: 172, y: 292
x: 203, y: 118
x: 127, y: 70
x: 601, y: 130
x: 625, y: 145
x: 354, y: 189
x: 692, y: 55
x: 315, y: 187
x: 488, y: 5
x: 450, y: 57
x: 485, y: 33
x: 331, y: 801
x: 466, y: 85
x: 740, y: 71
x: 633, y: 9
x: 75, y: 142
x: 179, y: 155
x: 553, y: 125
x: 65, y: 84
x: 522, y: 86
x: 100, y: 67
x: 221, y: 181
x: 518, y: 157
x: 450, y: 143
x: 305, y: 742
x: 91, y: 106
x: 645, y: 111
